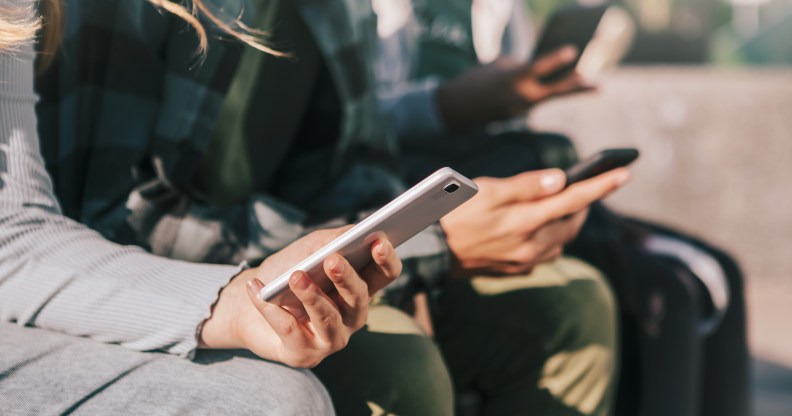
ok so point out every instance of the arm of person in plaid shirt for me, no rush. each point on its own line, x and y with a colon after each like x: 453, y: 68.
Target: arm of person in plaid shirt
x: 505, y: 86
x: 126, y: 85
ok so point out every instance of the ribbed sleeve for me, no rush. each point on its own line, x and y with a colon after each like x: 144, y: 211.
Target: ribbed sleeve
x: 60, y: 275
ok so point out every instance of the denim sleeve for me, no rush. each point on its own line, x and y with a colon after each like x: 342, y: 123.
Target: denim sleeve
x: 411, y: 109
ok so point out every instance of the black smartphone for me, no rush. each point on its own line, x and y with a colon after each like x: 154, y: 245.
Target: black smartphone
x: 600, y: 163
x: 573, y: 25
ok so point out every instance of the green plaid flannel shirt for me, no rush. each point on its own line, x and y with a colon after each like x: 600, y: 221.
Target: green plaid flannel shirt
x: 127, y: 111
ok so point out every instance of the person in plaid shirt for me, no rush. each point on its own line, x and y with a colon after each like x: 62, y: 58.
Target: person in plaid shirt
x: 229, y: 156
x: 63, y: 287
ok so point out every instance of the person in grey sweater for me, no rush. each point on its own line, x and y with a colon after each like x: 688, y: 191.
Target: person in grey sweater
x: 110, y: 131
x: 63, y: 287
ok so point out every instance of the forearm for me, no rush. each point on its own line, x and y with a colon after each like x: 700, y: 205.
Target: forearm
x: 60, y: 275
x: 473, y: 99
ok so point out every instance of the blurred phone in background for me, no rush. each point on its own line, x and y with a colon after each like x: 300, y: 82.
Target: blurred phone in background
x: 602, y: 34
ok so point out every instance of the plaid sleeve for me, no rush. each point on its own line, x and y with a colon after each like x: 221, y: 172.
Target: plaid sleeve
x: 180, y: 226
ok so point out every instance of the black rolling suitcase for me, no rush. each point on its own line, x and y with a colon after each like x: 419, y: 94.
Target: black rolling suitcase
x: 684, y: 344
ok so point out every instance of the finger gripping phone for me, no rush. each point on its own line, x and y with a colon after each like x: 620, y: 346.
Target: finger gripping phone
x: 602, y: 35
x: 399, y: 220
x: 600, y: 163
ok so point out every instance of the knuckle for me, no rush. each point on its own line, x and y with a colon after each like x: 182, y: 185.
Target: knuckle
x: 286, y: 328
x: 361, y: 321
x: 340, y: 343
x: 570, y: 233
x: 503, y: 225
x: 359, y: 300
x: 310, y: 299
x: 533, y: 90
x: 525, y: 254
x: 355, y: 323
x: 327, y: 321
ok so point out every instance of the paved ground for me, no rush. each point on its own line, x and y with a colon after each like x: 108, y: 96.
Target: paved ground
x: 772, y: 388
x: 717, y: 162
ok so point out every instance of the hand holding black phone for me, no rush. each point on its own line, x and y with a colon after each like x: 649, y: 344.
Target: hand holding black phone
x: 602, y: 35
x: 572, y: 25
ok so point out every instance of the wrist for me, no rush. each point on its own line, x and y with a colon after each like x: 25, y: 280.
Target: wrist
x: 222, y: 329
x: 454, y: 263
x: 447, y: 108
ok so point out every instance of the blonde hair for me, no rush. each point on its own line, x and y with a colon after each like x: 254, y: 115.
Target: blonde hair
x: 20, y: 25
x: 17, y: 26
x: 233, y: 27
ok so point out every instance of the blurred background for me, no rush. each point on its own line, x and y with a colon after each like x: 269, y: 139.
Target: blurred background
x: 706, y: 94
x: 689, y: 32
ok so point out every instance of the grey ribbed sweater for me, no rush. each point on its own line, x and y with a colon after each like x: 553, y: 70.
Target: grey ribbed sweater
x: 59, y: 275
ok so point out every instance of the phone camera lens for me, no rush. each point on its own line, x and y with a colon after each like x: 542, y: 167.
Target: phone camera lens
x: 451, y: 188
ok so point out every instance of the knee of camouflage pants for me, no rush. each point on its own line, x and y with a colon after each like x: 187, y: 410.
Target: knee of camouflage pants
x: 543, y: 343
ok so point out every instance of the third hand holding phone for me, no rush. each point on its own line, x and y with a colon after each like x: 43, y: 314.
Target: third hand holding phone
x: 515, y: 223
x: 241, y: 320
x: 504, y: 89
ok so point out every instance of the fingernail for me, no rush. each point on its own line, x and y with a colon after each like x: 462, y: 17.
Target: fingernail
x: 338, y: 266
x: 254, y: 286
x: 551, y: 181
x: 382, y: 249
x: 569, y: 53
x: 300, y: 280
x: 622, y: 178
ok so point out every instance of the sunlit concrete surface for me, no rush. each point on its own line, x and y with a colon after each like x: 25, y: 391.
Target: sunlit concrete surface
x: 717, y: 162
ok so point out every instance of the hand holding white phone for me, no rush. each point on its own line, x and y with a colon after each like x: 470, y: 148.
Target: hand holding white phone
x: 399, y: 220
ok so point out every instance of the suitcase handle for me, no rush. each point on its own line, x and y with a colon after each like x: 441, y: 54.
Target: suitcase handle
x: 704, y: 267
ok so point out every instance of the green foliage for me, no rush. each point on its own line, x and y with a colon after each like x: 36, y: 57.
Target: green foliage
x: 541, y: 9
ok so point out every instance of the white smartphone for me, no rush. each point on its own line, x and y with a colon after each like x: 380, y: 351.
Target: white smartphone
x: 399, y: 220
